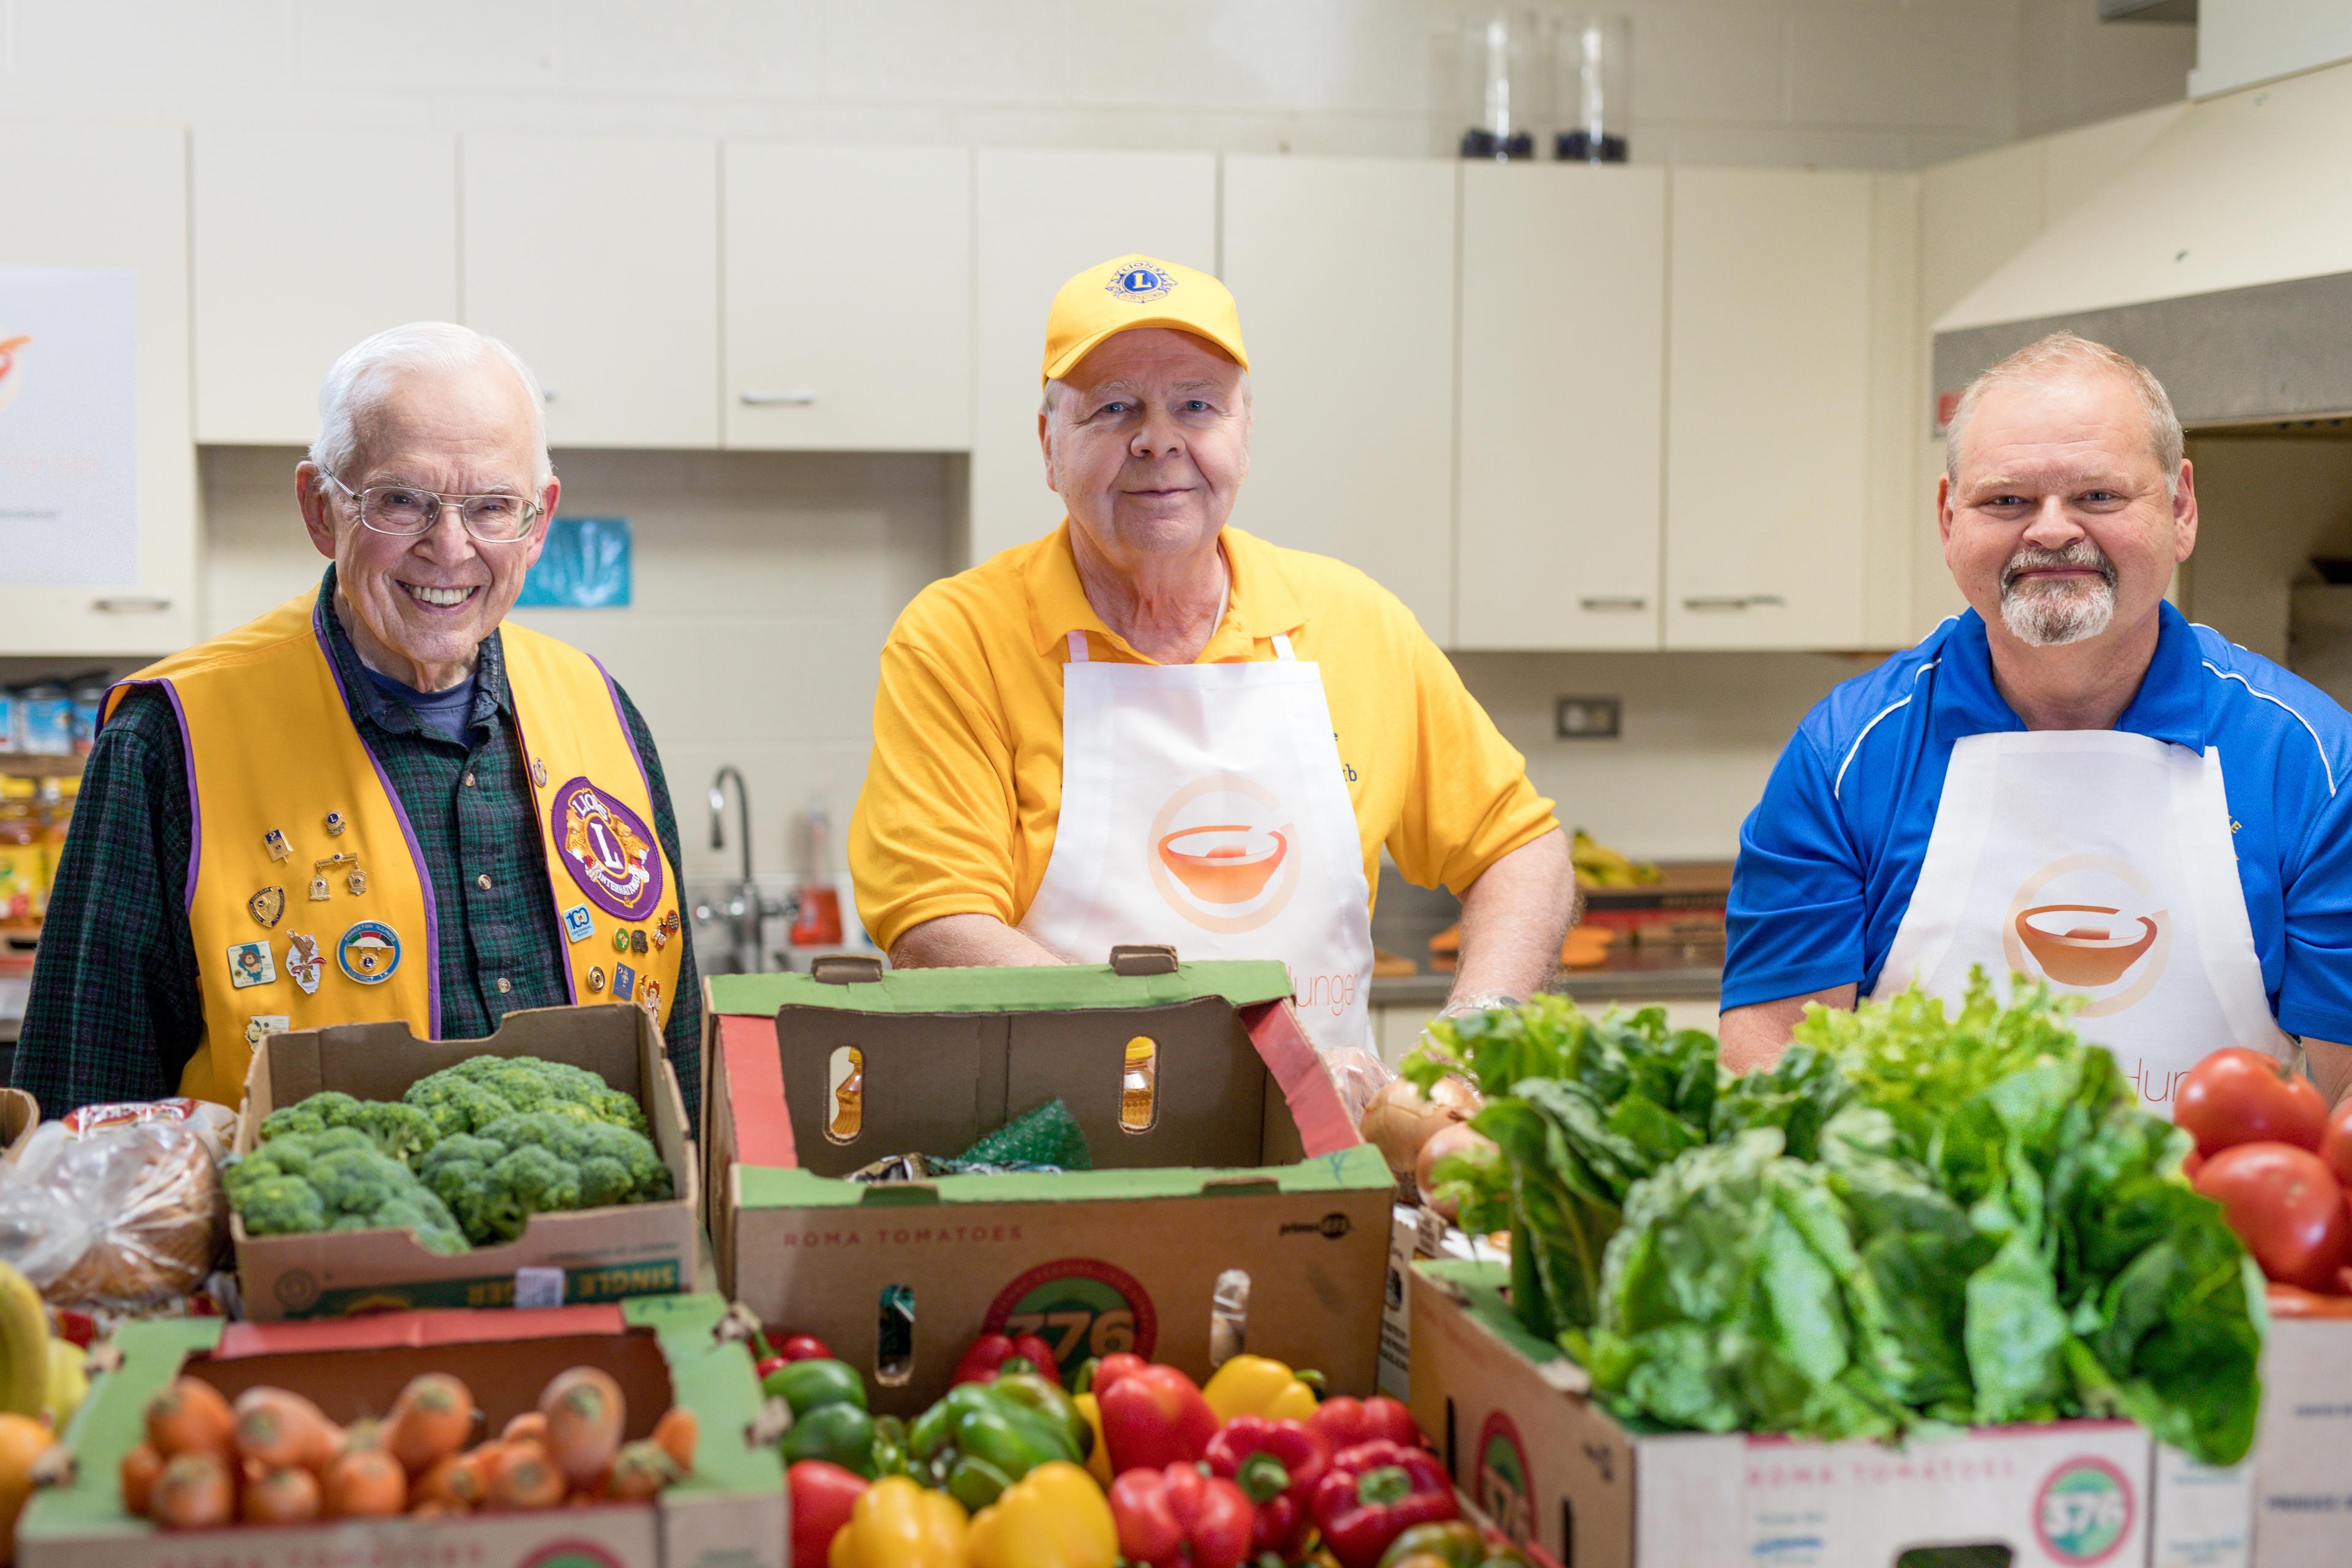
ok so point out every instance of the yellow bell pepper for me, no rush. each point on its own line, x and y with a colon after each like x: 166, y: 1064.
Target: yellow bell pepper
x: 897, y: 1524
x: 1258, y: 1385
x: 1053, y: 1517
x: 1098, y: 1456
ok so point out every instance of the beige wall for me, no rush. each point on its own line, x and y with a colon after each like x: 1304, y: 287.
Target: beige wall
x: 2265, y: 506
x: 1843, y: 83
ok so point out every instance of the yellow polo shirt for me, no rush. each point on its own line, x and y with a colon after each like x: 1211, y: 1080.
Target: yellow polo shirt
x: 964, y: 789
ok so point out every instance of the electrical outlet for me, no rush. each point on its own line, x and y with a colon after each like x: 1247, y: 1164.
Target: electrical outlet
x: 1588, y: 718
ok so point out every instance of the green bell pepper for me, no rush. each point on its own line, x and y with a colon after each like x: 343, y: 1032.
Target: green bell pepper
x: 838, y: 1434
x: 1047, y: 1398
x: 807, y: 1385
x: 981, y: 1439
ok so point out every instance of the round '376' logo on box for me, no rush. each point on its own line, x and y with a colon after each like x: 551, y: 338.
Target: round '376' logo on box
x: 2083, y: 1511
x: 1081, y: 1307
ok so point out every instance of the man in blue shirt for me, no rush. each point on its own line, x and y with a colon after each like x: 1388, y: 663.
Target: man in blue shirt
x: 2068, y: 780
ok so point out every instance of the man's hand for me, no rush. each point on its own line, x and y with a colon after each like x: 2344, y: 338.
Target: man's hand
x: 1755, y: 1036
x: 969, y: 942
x: 1513, y: 918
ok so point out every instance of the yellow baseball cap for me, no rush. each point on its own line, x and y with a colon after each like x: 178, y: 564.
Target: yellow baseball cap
x: 1138, y: 291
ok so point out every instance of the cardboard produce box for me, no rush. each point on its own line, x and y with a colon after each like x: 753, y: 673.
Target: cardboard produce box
x: 588, y: 1255
x: 1245, y: 1161
x: 729, y: 1513
x: 1508, y: 1417
x: 2303, y: 1449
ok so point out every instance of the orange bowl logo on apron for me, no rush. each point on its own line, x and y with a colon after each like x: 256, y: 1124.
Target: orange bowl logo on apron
x: 2082, y: 922
x: 608, y: 849
x: 1223, y: 853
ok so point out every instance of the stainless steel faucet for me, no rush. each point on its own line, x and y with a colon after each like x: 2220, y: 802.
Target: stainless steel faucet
x: 745, y: 907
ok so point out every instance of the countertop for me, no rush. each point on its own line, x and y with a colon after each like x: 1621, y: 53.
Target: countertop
x: 1632, y: 974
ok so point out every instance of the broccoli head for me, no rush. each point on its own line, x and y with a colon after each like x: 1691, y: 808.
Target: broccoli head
x: 398, y: 1130
x: 481, y: 1089
x: 336, y: 1180
x: 539, y: 1161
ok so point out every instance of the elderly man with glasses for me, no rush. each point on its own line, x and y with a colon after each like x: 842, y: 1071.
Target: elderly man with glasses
x: 372, y: 803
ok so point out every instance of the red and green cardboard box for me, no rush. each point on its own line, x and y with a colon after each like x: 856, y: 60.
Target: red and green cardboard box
x: 729, y: 1512
x: 1239, y: 1159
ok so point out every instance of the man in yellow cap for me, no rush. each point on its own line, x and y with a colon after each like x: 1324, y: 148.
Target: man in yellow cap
x: 1149, y: 727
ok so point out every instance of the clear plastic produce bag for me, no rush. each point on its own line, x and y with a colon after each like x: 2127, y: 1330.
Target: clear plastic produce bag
x: 118, y: 1218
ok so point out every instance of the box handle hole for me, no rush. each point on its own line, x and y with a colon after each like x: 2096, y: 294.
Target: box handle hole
x: 1968, y: 1555
x: 845, y: 1077
x: 1228, y: 1316
x: 894, y: 1337
x: 1138, y: 1085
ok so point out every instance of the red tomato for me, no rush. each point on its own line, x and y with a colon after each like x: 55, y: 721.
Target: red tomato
x: 2191, y: 1163
x: 2237, y: 1095
x: 2283, y: 1203
x: 2336, y: 1144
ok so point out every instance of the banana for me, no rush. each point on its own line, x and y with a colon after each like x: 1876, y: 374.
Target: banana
x: 69, y: 1383
x: 24, y: 1346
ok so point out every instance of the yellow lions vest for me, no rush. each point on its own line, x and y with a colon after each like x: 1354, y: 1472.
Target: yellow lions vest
x: 307, y: 898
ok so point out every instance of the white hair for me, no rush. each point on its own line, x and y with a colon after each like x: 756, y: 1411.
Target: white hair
x: 2063, y: 353
x: 360, y: 380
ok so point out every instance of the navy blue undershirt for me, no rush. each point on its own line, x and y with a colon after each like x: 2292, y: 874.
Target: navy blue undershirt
x: 445, y: 713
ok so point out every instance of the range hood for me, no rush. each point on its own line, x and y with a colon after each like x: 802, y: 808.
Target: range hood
x: 2220, y: 259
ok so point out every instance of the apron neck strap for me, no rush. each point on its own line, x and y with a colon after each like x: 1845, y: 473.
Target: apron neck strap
x: 1077, y: 647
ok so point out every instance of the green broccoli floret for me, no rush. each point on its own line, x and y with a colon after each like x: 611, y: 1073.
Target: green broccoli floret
x: 399, y: 1130
x: 335, y: 1180
x: 331, y: 1108
x: 280, y: 1206
x: 481, y: 1089
x: 649, y: 1177
x: 541, y: 1182
x: 455, y: 1105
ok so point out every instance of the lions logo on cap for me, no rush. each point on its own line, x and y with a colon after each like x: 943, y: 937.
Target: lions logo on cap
x: 1140, y: 281
x: 369, y: 952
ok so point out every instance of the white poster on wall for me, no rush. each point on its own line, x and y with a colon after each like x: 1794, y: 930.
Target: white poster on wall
x: 68, y: 424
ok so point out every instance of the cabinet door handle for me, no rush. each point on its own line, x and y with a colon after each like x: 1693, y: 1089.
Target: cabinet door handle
x: 130, y: 605
x: 792, y: 397
x: 1707, y: 602
x: 1612, y: 601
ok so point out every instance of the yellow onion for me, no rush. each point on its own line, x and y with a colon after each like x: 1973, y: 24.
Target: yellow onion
x: 1456, y: 1138
x: 1400, y: 1119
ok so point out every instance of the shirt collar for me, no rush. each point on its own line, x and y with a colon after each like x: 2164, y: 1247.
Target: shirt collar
x: 2166, y: 707
x: 388, y: 712
x: 1261, y: 603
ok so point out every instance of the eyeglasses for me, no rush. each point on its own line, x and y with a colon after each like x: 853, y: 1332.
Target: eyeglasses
x: 407, y: 511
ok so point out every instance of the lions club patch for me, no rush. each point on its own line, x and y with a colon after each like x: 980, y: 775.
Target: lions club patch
x: 369, y: 952
x: 608, y: 849
x: 1139, y: 281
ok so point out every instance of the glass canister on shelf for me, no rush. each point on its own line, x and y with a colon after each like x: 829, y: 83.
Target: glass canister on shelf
x: 45, y: 715
x: 1499, y: 70
x: 89, y: 700
x: 1593, y: 70
x: 52, y: 809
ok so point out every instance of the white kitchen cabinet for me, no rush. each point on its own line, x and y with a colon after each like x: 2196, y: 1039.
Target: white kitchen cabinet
x: 848, y: 299
x: 597, y: 260
x: 87, y: 196
x: 1344, y: 271
x: 306, y: 241
x: 1563, y: 366
x: 1769, y: 372
x: 1038, y: 217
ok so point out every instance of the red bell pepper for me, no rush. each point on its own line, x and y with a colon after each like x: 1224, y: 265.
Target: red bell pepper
x: 822, y: 1496
x: 1373, y: 1493
x: 1152, y: 1416
x: 804, y: 1347
x: 1343, y: 1422
x: 1178, y: 1518
x: 986, y: 1357
x: 1276, y: 1465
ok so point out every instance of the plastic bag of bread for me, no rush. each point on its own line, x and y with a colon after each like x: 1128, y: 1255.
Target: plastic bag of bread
x: 116, y: 1216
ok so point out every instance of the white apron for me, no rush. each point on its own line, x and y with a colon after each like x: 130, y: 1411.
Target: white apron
x: 1205, y: 804
x: 2100, y: 862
